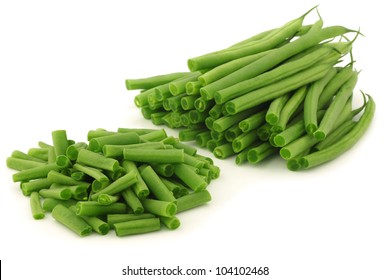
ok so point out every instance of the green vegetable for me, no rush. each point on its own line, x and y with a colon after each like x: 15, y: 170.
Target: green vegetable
x: 69, y: 219
x: 137, y: 226
x: 36, y: 207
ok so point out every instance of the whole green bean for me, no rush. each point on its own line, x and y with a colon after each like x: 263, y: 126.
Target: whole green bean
x: 345, y: 143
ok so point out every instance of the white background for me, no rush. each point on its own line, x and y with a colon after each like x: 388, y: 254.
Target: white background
x: 63, y: 65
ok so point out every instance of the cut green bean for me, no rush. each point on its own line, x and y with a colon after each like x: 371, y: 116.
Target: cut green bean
x: 189, y: 177
x: 96, y: 160
x: 159, y: 207
x: 36, y: 207
x: 170, y: 222
x: 61, y: 194
x: 49, y: 203
x: 96, y: 144
x: 193, y: 88
x: 63, y: 162
x: 35, y: 186
x: 223, y: 151
x: 92, y: 172
x: 94, y: 208
x: 22, y: 164
x: 56, y: 177
x: 60, y: 142
x: 69, y: 219
x: 193, y: 200
x: 335, y: 135
x: 137, y: 226
x: 133, y: 201
x: 156, y: 186
x: 41, y: 153
x: 34, y: 173
x: 252, y: 122
x: 140, y: 188
x: 118, y: 185
x: 116, y: 151
x: 120, y: 218
x: 188, y: 102
x: 157, y: 156
x: 73, y: 150
x: 98, y: 225
x: 22, y: 155
x: 154, y: 136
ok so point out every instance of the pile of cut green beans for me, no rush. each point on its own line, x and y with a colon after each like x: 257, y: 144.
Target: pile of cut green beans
x: 286, y: 91
x: 130, y: 180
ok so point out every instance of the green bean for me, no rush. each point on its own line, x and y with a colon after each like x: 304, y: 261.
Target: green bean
x: 186, y: 174
x: 34, y: 173
x: 22, y: 164
x: 163, y: 169
x: 35, y: 186
x: 189, y: 150
x: 193, y: 88
x: 228, y: 121
x: 345, y: 143
x: 49, y: 203
x: 69, y: 219
x: 217, y: 136
x: 311, y: 101
x: 98, y: 225
x: 63, y: 162
x: 252, y: 122
x: 73, y: 150
x: 151, y: 82
x: 60, y: 193
x: 96, y: 160
x: 60, y: 142
x: 93, y: 208
x: 335, y: 108
x: 140, y: 188
x: 159, y: 207
x: 92, y: 172
x: 233, y: 132
x: 96, y: 144
x: 118, y: 185
x: 156, y: 186
x: 272, y: 76
x: 335, y: 135
x: 170, y: 222
x: 244, y: 140
x: 55, y: 177
x: 133, y: 201
x: 228, y: 67
x: 152, y: 155
x: 137, y: 226
x: 270, y: 92
x: 36, y: 207
x: 202, y: 138
x: 22, y: 155
x: 257, y: 154
x: 298, y: 146
x: 188, y: 102
x: 178, y: 86
x: 223, y: 151
x: 99, y: 133
x: 116, y: 151
x: 41, y: 153
x: 154, y: 136
x: 192, y: 200
x: 242, y: 156
x: 189, y: 134
x: 202, y: 104
x: 197, y: 117
x: 107, y: 199
x: 274, y: 109
x: 216, y: 111
x: 292, y: 106
x: 120, y: 218
x: 270, y: 41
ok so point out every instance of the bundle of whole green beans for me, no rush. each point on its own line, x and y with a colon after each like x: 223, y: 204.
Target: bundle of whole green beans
x: 131, y: 180
x: 285, y: 91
